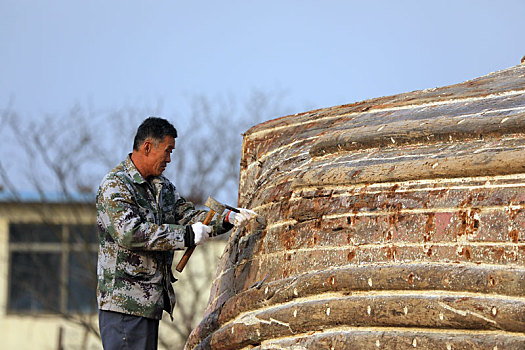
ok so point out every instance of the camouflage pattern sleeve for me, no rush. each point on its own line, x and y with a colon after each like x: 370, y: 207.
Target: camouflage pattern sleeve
x: 185, y: 214
x: 133, y: 225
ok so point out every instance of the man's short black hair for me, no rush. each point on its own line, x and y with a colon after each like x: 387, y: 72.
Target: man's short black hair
x: 155, y: 128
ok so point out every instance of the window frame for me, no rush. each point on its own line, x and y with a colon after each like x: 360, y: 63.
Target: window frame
x: 65, y: 247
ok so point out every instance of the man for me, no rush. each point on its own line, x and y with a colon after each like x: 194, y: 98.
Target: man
x: 141, y: 220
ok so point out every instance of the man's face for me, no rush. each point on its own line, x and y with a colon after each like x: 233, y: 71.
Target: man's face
x: 160, y: 155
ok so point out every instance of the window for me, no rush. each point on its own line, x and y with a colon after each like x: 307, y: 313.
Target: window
x: 52, y: 268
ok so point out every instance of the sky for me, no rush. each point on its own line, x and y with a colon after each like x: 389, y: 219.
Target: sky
x: 108, y: 54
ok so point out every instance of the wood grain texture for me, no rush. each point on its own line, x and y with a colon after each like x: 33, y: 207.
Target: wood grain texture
x: 396, y: 222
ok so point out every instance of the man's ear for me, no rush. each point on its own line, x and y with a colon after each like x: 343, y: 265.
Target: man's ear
x: 146, y: 146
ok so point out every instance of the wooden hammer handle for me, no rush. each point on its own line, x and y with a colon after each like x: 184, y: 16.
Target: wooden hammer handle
x: 184, y: 260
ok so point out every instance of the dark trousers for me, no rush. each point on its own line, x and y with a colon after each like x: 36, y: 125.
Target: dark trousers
x: 127, y: 332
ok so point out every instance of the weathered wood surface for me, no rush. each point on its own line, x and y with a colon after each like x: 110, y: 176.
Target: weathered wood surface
x: 391, y: 223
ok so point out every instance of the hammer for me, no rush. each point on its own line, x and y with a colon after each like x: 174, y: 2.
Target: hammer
x: 215, y: 207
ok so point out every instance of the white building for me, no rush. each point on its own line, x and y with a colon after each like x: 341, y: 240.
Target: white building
x: 48, y: 279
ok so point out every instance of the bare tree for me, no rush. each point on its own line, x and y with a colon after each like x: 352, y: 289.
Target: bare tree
x: 62, y: 158
x: 210, y: 145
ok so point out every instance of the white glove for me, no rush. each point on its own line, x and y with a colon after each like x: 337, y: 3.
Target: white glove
x: 240, y: 219
x: 201, y: 231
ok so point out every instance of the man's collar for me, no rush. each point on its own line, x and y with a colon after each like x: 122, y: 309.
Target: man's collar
x: 133, y: 171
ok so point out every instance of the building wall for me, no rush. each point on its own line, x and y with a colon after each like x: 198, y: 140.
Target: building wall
x: 23, y: 331
x: 39, y: 330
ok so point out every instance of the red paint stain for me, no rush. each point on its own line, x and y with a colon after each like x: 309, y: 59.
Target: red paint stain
x: 430, y: 227
x: 441, y: 223
x: 469, y: 224
x: 351, y: 255
x: 514, y: 235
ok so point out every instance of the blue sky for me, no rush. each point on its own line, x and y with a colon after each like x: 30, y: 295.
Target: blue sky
x: 54, y: 53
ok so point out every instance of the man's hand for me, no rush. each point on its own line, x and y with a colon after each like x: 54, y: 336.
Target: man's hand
x: 240, y: 219
x: 201, y: 231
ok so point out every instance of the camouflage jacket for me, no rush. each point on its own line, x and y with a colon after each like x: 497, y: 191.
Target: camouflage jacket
x: 140, y: 223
